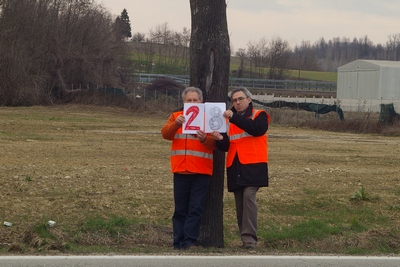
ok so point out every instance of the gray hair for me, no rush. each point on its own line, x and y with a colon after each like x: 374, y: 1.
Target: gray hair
x: 192, y: 89
x: 240, y: 89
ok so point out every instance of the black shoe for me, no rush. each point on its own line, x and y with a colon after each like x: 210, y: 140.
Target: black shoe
x: 249, y: 245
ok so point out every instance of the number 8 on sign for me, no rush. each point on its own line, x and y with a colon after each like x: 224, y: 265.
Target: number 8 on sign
x: 207, y: 117
x: 215, y: 121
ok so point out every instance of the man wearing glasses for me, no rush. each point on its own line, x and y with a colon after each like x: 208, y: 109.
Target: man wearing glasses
x: 246, y: 142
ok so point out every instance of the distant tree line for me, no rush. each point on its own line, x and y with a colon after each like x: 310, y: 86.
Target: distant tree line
x: 48, y: 46
x: 262, y: 59
x: 329, y: 55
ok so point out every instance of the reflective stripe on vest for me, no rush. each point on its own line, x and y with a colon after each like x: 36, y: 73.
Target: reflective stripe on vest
x: 238, y: 136
x: 240, y: 142
x: 191, y: 153
x: 185, y: 136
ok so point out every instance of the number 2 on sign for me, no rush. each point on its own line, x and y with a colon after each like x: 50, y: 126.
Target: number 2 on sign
x: 195, y: 111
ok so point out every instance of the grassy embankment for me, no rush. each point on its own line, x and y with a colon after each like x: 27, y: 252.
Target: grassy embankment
x: 172, y: 66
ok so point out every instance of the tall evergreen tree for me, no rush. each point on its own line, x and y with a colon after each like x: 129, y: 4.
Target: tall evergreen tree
x: 123, y: 25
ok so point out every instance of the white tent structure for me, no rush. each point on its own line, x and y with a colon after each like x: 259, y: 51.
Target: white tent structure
x: 369, y: 79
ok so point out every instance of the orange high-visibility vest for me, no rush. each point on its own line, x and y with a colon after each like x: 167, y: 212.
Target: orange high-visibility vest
x: 189, y: 155
x: 250, y: 149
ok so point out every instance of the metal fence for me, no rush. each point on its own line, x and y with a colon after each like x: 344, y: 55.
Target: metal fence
x: 348, y: 105
x: 171, y: 100
x: 246, y: 82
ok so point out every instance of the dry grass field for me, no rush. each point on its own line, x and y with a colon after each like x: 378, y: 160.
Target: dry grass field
x: 103, y: 175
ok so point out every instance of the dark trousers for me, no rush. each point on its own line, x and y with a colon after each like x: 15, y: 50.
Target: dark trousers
x: 246, y: 213
x: 190, y: 192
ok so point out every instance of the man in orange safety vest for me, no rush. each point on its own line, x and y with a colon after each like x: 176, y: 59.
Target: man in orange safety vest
x: 192, y: 165
x: 246, y: 142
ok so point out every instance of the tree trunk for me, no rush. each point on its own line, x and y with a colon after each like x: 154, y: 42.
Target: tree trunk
x: 209, y: 71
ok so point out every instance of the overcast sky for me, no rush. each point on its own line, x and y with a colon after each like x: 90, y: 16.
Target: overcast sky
x: 291, y: 20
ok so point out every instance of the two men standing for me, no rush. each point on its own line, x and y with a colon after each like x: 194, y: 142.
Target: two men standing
x: 246, y: 145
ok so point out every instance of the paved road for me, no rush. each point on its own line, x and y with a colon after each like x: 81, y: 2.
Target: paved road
x: 193, y: 261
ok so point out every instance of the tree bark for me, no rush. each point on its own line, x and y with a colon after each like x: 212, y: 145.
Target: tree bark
x: 209, y: 71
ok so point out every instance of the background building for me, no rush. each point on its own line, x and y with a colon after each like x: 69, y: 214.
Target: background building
x: 369, y: 79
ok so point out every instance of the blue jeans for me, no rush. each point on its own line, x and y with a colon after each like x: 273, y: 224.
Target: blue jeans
x: 190, y: 192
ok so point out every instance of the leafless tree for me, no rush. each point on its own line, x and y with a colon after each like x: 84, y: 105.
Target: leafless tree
x: 21, y: 75
x: 278, y: 58
x: 258, y: 55
x: 161, y: 34
x: 186, y: 33
x: 48, y: 45
x: 393, y: 47
x: 365, y: 48
x: 251, y: 55
x: 304, y: 58
x: 209, y: 70
x: 138, y: 37
x: 241, y: 54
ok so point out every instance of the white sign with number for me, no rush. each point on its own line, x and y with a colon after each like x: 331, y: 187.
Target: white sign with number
x: 207, y: 117
x: 194, y: 118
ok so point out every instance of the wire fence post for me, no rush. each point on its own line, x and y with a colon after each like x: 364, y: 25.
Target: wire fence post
x: 166, y: 98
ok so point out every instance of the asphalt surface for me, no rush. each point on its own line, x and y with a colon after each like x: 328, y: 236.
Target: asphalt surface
x: 209, y: 261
